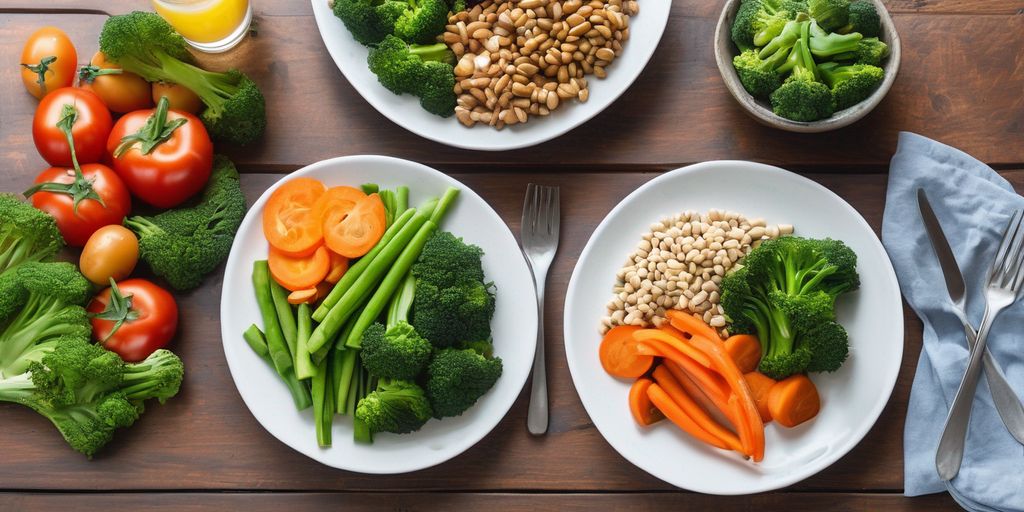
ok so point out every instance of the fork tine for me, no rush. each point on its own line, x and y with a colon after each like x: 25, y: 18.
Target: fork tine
x: 545, y: 209
x: 529, y: 210
x: 556, y: 218
x: 999, y: 263
x: 552, y: 210
x: 1015, y: 269
x: 1013, y: 251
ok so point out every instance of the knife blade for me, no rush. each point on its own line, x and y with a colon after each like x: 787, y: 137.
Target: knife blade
x: 947, y: 261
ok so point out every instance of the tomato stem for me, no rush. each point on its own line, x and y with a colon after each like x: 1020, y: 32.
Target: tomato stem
x: 119, y: 310
x: 40, y: 70
x: 80, y: 189
x: 156, y: 131
x: 88, y: 73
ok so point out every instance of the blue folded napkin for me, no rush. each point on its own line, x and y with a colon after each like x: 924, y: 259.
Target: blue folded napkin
x: 973, y: 203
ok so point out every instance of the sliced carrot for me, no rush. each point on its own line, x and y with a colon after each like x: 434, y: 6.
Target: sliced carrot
x: 620, y: 356
x: 298, y: 273
x: 794, y: 400
x: 336, y: 203
x: 760, y: 384
x: 726, y: 367
x: 307, y: 296
x: 361, y: 229
x: 676, y: 415
x: 678, y: 344
x: 745, y: 350
x: 735, y: 408
x: 678, y: 394
x: 640, y: 404
x: 323, y: 289
x: 707, y: 388
x: 288, y: 221
x: 691, y: 325
x: 339, y: 265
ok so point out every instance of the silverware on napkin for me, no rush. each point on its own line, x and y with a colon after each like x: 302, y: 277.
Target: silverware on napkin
x: 1009, y: 406
x: 1002, y: 289
x: 540, y: 242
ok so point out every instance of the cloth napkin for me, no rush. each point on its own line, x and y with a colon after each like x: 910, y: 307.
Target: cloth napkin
x: 973, y: 203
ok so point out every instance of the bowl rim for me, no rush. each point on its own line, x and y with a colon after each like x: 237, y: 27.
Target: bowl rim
x: 725, y: 50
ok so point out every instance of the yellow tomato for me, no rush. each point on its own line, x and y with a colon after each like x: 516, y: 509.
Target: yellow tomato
x: 48, y: 61
x: 122, y: 92
x: 180, y: 97
x: 111, y: 252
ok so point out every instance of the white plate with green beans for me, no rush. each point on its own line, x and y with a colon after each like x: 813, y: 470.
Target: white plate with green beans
x: 268, y: 397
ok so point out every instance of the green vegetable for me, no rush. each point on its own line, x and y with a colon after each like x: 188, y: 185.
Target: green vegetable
x: 145, y: 44
x: 825, y: 44
x: 426, y: 72
x: 830, y: 14
x: 277, y: 348
x: 26, y: 234
x: 285, y: 316
x: 258, y: 342
x: 850, y: 84
x: 370, y: 21
x: 185, y: 244
x: 801, y: 97
x: 785, y: 294
x: 758, y: 21
x: 323, y: 404
x: 347, y: 368
x: 457, y: 378
x: 396, y: 351
x: 396, y: 406
x: 254, y: 337
x: 758, y: 77
x: 304, y: 368
x: 448, y: 261
x: 871, y: 51
x: 864, y: 18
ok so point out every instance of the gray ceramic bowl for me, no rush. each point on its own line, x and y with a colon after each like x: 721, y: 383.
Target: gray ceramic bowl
x: 761, y: 111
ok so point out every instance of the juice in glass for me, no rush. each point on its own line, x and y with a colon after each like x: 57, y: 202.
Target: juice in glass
x: 208, y: 25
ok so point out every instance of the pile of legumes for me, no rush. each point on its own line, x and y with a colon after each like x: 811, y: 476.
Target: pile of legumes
x: 522, y: 58
x: 679, y: 264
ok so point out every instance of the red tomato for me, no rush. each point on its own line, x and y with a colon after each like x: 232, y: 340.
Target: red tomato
x: 54, y: 194
x: 91, y: 126
x: 147, y: 314
x: 48, y: 61
x: 175, y: 167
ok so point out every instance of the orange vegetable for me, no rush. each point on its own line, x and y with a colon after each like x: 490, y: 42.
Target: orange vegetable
x: 288, y: 222
x: 180, y: 97
x: 794, y: 400
x: 360, y: 230
x: 676, y: 344
x: 336, y: 203
x: 760, y: 384
x: 678, y: 394
x: 691, y: 325
x: 735, y: 408
x: 619, y: 355
x: 307, y: 296
x: 640, y: 405
x: 323, y: 289
x: 714, y: 397
x: 299, y: 273
x: 745, y: 350
x: 677, y: 415
x: 339, y: 265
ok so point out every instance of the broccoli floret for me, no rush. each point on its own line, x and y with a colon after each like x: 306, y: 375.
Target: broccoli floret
x: 396, y: 352
x: 422, y: 21
x: 26, y: 234
x: 145, y: 44
x: 88, y: 392
x: 186, y: 244
x: 830, y: 14
x: 361, y: 19
x: 447, y: 261
x: 871, y: 51
x: 779, y: 50
x: 396, y: 406
x: 456, y: 379
x: 801, y: 98
x: 851, y: 84
x: 785, y: 294
x: 415, y: 21
x: 458, y: 314
x: 758, y: 21
x: 758, y: 77
x: 825, y: 44
x: 423, y: 71
x: 864, y: 18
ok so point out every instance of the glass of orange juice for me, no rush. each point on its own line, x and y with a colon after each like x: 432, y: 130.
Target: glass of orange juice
x: 211, y: 26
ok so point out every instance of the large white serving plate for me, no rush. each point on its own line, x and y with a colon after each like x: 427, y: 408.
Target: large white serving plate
x: 852, y: 398
x: 645, y: 32
x: 267, y: 397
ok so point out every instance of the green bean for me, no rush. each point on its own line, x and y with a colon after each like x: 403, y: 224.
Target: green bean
x: 254, y: 337
x: 348, y: 366
x: 304, y: 368
x: 300, y: 393
x: 322, y: 415
x: 285, y: 314
x: 401, y: 198
x: 276, y: 344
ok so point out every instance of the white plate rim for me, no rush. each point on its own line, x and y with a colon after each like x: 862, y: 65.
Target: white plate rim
x: 888, y: 380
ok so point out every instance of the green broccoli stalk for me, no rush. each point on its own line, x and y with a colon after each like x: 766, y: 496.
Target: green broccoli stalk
x: 864, y: 18
x: 830, y: 14
x: 825, y: 44
x: 185, y: 244
x: 758, y: 77
x: 26, y: 234
x: 396, y: 351
x: 145, y: 44
x: 780, y: 47
x: 758, y: 21
x: 801, y: 97
x: 851, y: 84
x: 396, y: 406
x: 457, y: 378
x: 423, y: 71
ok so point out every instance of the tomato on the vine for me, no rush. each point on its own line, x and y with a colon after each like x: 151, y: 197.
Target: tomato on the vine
x: 48, y: 61
x: 81, y: 202
x: 134, y: 318
x: 88, y: 119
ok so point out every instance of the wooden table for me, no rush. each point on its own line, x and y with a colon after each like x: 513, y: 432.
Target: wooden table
x: 960, y: 83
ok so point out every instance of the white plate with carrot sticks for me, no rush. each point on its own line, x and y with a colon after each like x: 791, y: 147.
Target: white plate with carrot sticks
x: 850, y: 398
x: 269, y: 398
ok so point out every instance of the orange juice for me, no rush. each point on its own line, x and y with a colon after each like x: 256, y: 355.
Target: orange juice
x: 204, y: 21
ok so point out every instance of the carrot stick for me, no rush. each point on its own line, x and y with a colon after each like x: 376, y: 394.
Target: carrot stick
x: 620, y: 356
x: 745, y: 350
x: 691, y: 325
x: 673, y: 412
x: 794, y: 400
x: 677, y: 344
x: 715, y: 401
x: 743, y: 427
x: 675, y: 390
x: 760, y: 385
x: 640, y: 404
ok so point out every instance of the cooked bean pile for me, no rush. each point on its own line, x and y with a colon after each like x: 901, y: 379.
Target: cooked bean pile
x: 679, y: 264
x: 522, y: 58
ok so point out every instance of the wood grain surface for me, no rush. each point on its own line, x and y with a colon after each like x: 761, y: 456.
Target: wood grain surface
x: 204, y: 451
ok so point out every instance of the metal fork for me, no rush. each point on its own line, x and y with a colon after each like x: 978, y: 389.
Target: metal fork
x: 540, y: 242
x: 1001, y: 290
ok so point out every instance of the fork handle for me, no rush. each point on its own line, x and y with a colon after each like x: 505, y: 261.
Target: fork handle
x: 537, y: 415
x: 1008, y: 405
x: 950, y: 452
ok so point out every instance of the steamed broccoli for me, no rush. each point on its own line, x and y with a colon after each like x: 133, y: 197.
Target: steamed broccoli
x: 850, y: 84
x: 758, y: 21
x: 395, y: 352
x: 827, y: 44
x: 453, y: 315
x: 185, y: 244
x: 779, y: 51
x: 26, y: 234
x: 422, y: 21
x: 871, y: 51
x: 361, y: 19
x: 785, y: 294
x: 830, y: 14
x: 801, y: 97
x: 423, y: 71
x: 415, y: 21
x: 758, y: 76
x: 864, y: 18
x: 457, y: 378
x: 396, y: 406
x: 145, y: 44
x: 447, y: 261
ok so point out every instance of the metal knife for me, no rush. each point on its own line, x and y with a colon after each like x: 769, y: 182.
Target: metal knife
x: 1010, y: 409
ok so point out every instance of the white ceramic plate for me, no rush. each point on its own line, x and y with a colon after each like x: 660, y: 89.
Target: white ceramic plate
x: 852, y: 398
x: 268, y: 398
x: 645, y: 31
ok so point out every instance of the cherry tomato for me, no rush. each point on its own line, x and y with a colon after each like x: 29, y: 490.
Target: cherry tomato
x: 90, y: 128
x: 182, y: 98
x: 134, y: 318
x: 163, y: 169
x: 48, y: 61
x: 120, y: 90
x: 111, y: 253
x: 55, y: 192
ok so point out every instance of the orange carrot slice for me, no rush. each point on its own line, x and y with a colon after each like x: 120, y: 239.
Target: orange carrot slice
x: 620, y: 356
x: 675, y: 390
x: 676, y: 415
x: 640, y: 405
x: 794, y: 400
x: 745, y: 350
